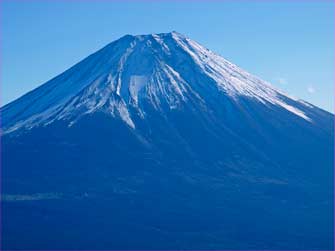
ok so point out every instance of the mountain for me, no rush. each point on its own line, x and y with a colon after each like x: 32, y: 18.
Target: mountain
x: 155, y: 142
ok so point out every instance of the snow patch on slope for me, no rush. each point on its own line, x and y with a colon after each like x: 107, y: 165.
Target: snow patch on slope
x: 124, y: 114
x: 136, y: 84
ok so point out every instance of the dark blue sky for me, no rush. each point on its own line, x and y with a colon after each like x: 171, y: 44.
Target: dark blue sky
x: 288, y: 43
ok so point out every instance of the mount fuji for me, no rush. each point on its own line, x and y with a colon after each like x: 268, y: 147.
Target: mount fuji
x: 156, y: 142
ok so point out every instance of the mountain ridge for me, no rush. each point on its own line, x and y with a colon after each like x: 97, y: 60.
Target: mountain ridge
x: 154, y: 66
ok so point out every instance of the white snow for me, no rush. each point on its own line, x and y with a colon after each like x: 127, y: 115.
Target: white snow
x: 137, y: 82
x: 161, y: 42
x: 115, y: 78
x: 232, y: 79
x: 124, y: 113
x: 293, y: 110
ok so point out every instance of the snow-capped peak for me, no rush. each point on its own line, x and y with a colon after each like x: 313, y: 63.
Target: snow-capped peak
x: 163, y: 70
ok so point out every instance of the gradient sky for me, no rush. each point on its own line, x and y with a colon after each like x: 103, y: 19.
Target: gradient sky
x: 288, y: 43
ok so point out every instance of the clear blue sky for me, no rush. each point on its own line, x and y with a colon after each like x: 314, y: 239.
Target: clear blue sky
x: 288, y: 43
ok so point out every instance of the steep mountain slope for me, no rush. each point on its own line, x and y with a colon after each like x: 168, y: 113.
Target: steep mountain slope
x: 134, y: 68
x: 177, y: 148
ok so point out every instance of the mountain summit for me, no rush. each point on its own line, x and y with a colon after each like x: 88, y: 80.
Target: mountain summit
x: 155, y: 142
x: 165, y: 70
